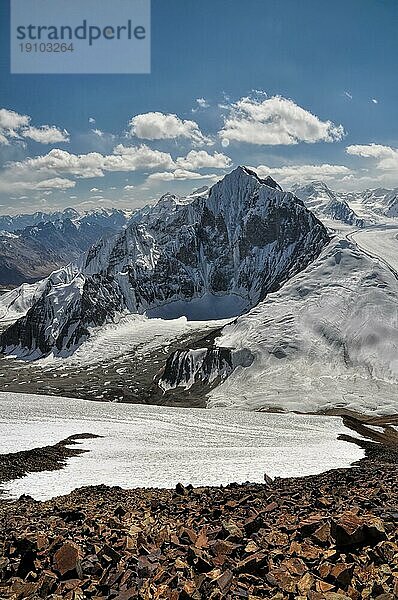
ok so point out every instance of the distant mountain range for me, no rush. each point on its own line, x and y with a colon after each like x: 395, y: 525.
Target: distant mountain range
x: 326, y: 205
x: 32, y: 246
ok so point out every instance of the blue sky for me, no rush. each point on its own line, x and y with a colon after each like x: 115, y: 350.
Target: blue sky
x: 301, y: 89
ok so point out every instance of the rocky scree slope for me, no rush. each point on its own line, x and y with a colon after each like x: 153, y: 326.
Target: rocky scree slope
x: 244, y: 237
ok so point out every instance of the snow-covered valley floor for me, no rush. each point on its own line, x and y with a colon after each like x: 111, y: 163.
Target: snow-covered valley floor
x: 380, y: 241
x: 152, y: 446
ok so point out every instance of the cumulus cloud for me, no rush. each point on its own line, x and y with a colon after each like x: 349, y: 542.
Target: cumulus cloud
x: 348, y: 95
x: 11, y: 122
x: 180, y: 175
x: 46, y: 134
x: 200, y: 159
x: 94, y: 164
x: 91, y: 120
x: 56, y: 164
x: 57, y: 168
x: 290, y: 174
x: 160, y: 126
x: 386, y: 157
x: 275, y: 121
x: 375, y: 101
x: 15, y: 126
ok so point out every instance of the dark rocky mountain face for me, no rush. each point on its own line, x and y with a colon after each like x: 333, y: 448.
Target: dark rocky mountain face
x: 32, y: 253
x: 244, y: 238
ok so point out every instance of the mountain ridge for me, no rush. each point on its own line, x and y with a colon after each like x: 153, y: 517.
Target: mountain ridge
x: 244, y: 237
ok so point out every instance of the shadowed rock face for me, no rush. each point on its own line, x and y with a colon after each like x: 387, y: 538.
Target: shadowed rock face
x: 244, y: 237
x: 204, y: 366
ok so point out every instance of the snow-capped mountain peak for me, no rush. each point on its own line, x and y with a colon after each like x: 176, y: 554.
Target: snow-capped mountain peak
x: 241, y: 239
x: 320, y: 199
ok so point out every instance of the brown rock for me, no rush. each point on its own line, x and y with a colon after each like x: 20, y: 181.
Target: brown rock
x: 323, y: 586
x: 202, y: 539
x: 311, y: 524
x: 282, y: 580
x: 351, y: 530
x: 66, y: 559
x: 322, y: 534
x: 295, y: 566
x: 252, y: 564
x: 324, y: 570
x: 232, y: 530
x: 305, y: 583
x: 251, y: 547
x: 270, y: 507
x: 268, y: 480
x: 180, y: 489
x: 342, y: 573
x: 224, y: 581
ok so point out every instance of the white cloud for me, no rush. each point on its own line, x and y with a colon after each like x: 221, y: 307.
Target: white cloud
x: 180, y: 175
x: 54, y: 183
x: 129, y: 187
x: 386, y: 157
x: 160, y: 126
x: 91, y: 120
x: 202, y: 102
x: 200, y: 159
x: 348, y: 95
x: 98, y: 132
x: 46, y: 134
x: 57, y: 183
x: 11, y: 122
x: 94, y: 164
x: 274, y: 121
x: 375, y: 101
x: 298, y: 173
x: 14, y: 126
x: 53, y: 166
x: 94, y: 189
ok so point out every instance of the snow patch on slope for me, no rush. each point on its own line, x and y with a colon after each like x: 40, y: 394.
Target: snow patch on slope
x: 327, y: 339
x: 17, y: 302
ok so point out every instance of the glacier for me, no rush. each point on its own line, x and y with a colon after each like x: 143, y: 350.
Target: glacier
x: 327, y: 340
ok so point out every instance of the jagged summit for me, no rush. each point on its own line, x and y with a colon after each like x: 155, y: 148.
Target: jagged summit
x: 320, y: 199
x: 242, y: 171
x: 267, y: 181
x: 240, y: 240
